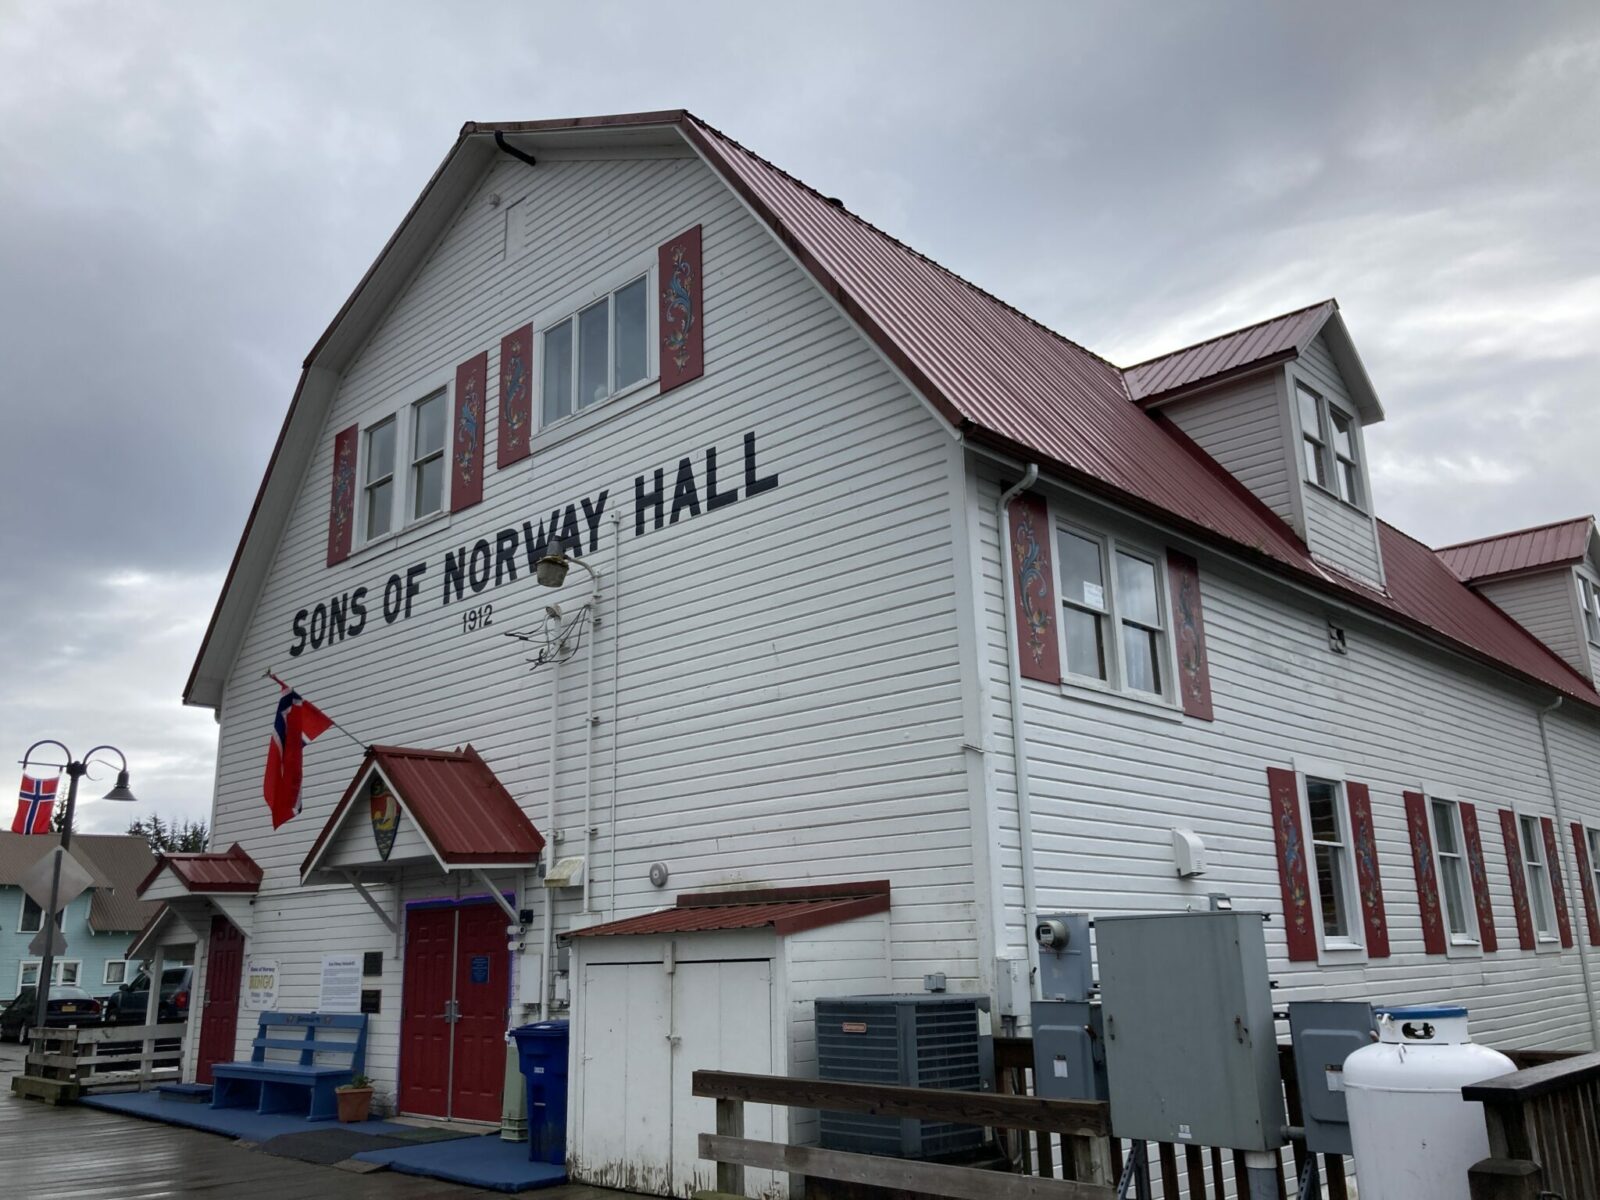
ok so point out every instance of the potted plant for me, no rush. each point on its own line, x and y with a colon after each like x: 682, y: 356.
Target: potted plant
x: 355, y: 1099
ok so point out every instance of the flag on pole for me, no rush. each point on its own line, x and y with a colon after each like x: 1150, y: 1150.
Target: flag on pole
x: 37, y: 798
x: 297, y: 722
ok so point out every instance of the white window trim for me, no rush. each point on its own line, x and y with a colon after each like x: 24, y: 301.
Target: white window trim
x: 1111, y: 690
x: 57, y: 969
x: 404, y: 439
x: 1347, y: 950
x: 1323, y: 436
x: 1468, y: 945
x: 1543, y: 943
x: 105, y: 972
x: 1591, y: 843
x: 22, y: 914
x: 1587, y: 582
x: 645, y: 264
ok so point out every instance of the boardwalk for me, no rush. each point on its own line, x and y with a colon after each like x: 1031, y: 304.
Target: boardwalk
x: 77, y: 1153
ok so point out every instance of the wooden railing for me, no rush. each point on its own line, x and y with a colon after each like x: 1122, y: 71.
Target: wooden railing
x: 1544, y: 1131
x: 1082, y: 1125
x: 61, y: 1063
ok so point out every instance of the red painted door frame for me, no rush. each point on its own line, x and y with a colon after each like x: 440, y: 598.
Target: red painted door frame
x: 219, y: 1015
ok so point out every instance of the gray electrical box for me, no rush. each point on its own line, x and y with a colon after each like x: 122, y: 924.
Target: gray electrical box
x: 1191, y: 1053
x: 1069, y: 1061
x: 1064, y: 959
x: 1325, y: 1033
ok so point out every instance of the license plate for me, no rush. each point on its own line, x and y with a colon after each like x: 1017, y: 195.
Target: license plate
x: 69, y: 1008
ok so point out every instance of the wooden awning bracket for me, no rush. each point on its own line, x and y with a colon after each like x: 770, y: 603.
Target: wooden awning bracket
x: 354, y: 881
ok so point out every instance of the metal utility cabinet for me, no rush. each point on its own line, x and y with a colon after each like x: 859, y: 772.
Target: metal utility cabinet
x: 1190, y: 1048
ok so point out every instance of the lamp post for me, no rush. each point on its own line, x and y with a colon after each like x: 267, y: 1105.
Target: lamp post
x: 76, y: 769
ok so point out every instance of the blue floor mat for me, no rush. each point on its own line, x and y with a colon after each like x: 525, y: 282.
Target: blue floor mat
x: 234, y: 1122
x: 485, y: 1162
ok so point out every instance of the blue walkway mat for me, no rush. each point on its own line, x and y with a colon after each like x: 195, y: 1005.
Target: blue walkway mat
x: 234, y: 1122
x: 485, y: 1162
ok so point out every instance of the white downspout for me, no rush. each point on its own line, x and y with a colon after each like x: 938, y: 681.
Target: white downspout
x: 1566, y: 857
x: 616, y: 733
x: 589, y: 720
x: 1019, y: 733
x: 546, y: 967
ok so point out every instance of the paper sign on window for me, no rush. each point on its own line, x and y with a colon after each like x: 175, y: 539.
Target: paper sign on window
x: 1094, y: 595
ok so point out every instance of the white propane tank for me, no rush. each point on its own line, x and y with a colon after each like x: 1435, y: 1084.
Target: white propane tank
x: 1413, y: 1135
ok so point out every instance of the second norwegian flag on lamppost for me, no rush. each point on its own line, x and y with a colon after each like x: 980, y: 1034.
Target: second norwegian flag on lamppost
x: 37, y: 798
x: 297, y: 722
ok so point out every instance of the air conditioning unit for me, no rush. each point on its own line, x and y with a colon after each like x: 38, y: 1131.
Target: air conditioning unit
x: 920, y: 1040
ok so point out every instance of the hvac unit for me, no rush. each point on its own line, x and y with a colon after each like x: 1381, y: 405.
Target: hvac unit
x: 929, y: 1041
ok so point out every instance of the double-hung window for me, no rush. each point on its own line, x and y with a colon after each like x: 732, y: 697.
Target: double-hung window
x: 378, y: 489
x: 62, y: 972
x: 1538, y: 876
x: 1330, y: 859
x: 1454, y: 879
x: 1313, y: 441
x: 597, y: 352
x: 403, y: 466
x: 427, y: 456
x: 32, y: 916
x: 1328, y: 445
x: 1113, y: 618
x: 1589, y: 601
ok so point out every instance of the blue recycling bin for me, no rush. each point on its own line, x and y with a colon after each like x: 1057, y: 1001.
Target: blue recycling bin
x: 542, y: 1054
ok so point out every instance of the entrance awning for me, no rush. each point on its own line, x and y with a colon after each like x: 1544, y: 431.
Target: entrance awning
x: 408, y: 807
x: 784, y: 910
x: 194, y: 887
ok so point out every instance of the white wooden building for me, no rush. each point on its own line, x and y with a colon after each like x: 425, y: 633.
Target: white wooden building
x: 785, y: 447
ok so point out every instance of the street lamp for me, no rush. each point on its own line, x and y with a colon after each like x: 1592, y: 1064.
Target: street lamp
x: 76, y: 769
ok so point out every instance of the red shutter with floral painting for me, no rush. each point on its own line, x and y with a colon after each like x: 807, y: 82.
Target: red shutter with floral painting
x: 1034, y: 590
x: 1558, y: 883
x: 1189, y: 628
x: 1293, y: 876
x: 466, y: 449
x: 1421, y: 843
x: 514, y: 432
x: 1580, y: 860
x: 342, y: 508
x: 1479, y: 876
x: 1364, y: 844
x: 1519, y: 879
x: 681, y: 317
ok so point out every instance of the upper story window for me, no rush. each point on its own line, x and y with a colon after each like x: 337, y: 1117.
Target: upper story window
x: 416, y: 437
x: 1330, y: 858
x: 1113, y: 617
x: 1328, y: 446
x: 1589, y: 601
x: 32, y: 916
x: 1538, y: 875
x: 427, y: 456
x: 1454, y: 879
x: 597, y: 352
x: 379, y: 489
x: 1593, y: 836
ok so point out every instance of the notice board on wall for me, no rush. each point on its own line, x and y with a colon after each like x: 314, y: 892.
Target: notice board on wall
x: 341, y: 984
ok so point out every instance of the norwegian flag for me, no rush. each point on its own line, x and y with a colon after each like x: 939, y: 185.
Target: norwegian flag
x: 297, y: 722
x: 37, y: 798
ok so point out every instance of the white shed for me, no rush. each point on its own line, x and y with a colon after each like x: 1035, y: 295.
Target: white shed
x: 721, y: 981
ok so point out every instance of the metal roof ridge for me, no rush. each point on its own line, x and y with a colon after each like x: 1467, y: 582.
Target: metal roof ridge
x: 1510, y: 533
x: 1283, y: 316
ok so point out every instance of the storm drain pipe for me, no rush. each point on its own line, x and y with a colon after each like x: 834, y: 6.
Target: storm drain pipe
x: 1562, y: 832
x: 1019, y: 732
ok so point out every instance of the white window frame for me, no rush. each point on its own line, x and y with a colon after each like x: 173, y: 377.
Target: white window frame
x: 105, y: 972
x: 1591, y: 838
x: 404, y: 474
x: 1351, y: 948
x: 57, y: 970
x: 22, y: 916
x: 1466, y: 944
x: 1328, y: 455
x: 644, y: 266
x: 1589, y: 607
x: 1543, y: 942
x: 413, y: 462
x: 1116, y: 664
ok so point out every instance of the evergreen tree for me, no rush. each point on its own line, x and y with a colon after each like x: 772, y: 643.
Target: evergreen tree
x: 174, y: 835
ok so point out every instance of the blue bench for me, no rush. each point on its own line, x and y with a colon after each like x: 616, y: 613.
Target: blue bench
x: 304, y: 1082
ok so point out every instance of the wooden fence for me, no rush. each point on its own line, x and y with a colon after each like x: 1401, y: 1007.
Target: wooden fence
x: 1544, y: 1131
x: 62, y: 1063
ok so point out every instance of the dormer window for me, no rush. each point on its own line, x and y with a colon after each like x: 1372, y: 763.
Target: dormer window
x: 1328, y: 444
x: 1589, y: 601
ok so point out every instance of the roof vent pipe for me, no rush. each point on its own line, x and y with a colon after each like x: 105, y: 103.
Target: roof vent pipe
x: 1019, y: 731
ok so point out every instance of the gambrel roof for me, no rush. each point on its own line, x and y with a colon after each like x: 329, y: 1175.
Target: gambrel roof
x: 1001, y: 379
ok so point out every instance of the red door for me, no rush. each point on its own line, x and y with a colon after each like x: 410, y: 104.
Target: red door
x: 453, y: 1012
x: 219, y: 1018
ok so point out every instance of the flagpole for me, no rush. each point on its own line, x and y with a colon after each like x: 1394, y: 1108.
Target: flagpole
x: 365, y: 745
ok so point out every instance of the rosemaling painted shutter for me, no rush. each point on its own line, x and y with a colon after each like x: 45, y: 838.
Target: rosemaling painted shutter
x: 1580, y: 859
x: 1034, y: 590
x: 1421, y: 843
x: 1558, y: 883
x: 1293, y: 874
x: 342, y: 508
x: 1189, y: 626
x: 1519, y: 879
x: 466, y: 447
x: 681, y: 316
x: 1480, y: 878
x: 1364, y: 844
x: 514, y: 433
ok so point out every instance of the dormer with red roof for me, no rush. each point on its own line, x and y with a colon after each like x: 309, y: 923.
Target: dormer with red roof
x: 1280, y: 405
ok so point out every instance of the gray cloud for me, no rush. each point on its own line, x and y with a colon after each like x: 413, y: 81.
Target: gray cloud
x: 188, y: 191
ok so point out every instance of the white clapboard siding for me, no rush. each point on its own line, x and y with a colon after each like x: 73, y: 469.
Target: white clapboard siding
x: 1336, y: 532
x: 1243, y: 426
x: 785, y: 671
x: 1546, y: 606
x: 1109, y: 784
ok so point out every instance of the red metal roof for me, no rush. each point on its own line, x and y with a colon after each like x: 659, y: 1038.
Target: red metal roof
x: 787, y: 910
x: 231, y: 871
x: 463, y: 810
x: 1554, y: 545
x: 1244, y: 349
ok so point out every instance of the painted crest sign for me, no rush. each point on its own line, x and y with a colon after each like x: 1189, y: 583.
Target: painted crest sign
x: 385, y: 815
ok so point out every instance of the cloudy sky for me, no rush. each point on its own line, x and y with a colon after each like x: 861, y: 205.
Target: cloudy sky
x: 188, y: 192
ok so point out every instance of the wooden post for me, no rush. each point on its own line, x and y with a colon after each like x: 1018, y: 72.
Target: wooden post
x: 730, y: 1123
x: 1091, y: 1159
x: 1505, y: 1179
x: 152, y: 1014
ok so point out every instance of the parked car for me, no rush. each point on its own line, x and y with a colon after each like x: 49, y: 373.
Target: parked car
x: 68, y: 1006
x: 129, y: 1003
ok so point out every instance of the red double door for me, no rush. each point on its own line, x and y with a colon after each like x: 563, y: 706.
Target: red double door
x: 219, y: 1016
x: 453, y: 1012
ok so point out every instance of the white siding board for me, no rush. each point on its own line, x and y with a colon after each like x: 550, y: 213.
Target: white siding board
x: 1242, y: 427
x: 1545, y: 605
